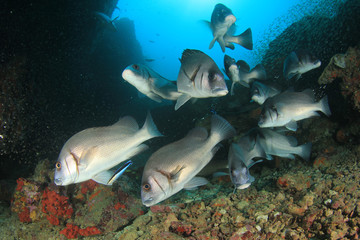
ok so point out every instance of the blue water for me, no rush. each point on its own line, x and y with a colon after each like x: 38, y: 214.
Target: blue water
x: 165, y: 28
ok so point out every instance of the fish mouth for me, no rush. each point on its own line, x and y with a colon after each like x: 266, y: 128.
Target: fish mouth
x: 230, y: 19
x: 220, y: 91
x: 148, y: 202
x: 127, y: 73
x: 317, y: 63
x: 243, y: 186
x: 58, y: 181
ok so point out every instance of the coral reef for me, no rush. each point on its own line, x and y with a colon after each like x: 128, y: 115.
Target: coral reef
x: 347, y: 68
x: 298, y: 203
x: 93, y: 209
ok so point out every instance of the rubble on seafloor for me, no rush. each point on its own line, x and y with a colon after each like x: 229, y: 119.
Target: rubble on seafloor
x: 292, y: 200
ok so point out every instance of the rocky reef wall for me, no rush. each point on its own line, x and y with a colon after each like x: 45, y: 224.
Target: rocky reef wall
x: 60, y: 72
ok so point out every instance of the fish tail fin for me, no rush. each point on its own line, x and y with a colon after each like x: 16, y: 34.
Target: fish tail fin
x: 150, y: 127
x: 245, y: 39
x: 305, y: 152
x: 324, y: 106
x: 220, y: 129
x: 258, y: 72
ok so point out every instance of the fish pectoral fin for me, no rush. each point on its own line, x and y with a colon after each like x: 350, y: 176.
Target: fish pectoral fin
x: 221, y: 41
x: 118, y: 173
x: 103, y: 177
x: 212, y: 43
x: 292, y: 125
x: 182, y: 100
x: 230, y: 45
x: 154, y: 97
x: 232, y: 88
x: 195, y: 182
x: 245, y: 84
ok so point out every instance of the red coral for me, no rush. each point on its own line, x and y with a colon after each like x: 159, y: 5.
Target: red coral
x: 24, y: 215
x: 53, y: 220
x: 119, y: 205
x: 72, y: 231
x: 282, y: 182
x: 56, y: 205
x: 181, y: 228
x: 20, y: 184
x: 89, y: 231
x: 88, y: 186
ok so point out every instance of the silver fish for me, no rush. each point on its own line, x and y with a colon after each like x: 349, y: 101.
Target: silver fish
x: 150, y: 83
x: 239, y: 72
x: 299, y: 62
x: 241, y: 155
x: 277, y: 144
x: 90, y: 154
x: 288, y: 107
x: 223, y: 27
x: 261, y: 91
x: 199, y: 77
x: 174, y: 166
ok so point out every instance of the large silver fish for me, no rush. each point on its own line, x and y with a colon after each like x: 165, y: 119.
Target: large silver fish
x: 90, y: 153
x: 199, y: 77
x: 174, y: 166
x: 261, y: 91
x: 299, y: 62
x: 241, y: 155
x: 150, y: 83
x: 277, y: 144
x: 223, y: 28
x: 288, y: 107
x: 239, y: 72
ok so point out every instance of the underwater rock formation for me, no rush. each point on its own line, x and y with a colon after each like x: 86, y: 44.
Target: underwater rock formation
x: 347, y: 68
x: 322, y: 36
x: 54, y: 81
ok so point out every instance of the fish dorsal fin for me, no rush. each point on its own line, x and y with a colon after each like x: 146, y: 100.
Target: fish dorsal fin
x: 198, y: 133
x: 189, y: 53
x: 243, y: 65
x: 128, y: 123
x: 195, y: 182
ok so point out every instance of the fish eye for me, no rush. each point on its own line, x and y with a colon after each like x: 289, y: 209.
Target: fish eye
x: 146, y: 187
x: 136, y: 67
x: 58, y: 165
